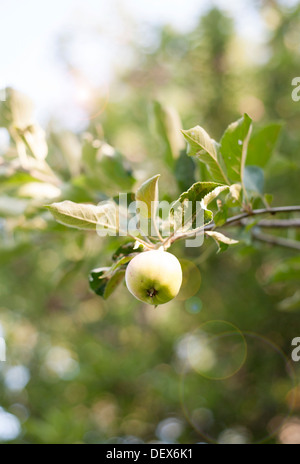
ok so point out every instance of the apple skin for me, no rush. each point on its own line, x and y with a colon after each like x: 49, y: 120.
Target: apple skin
x: 154, y: 277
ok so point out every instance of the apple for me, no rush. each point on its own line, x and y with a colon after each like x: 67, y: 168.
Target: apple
x: 154, y: 277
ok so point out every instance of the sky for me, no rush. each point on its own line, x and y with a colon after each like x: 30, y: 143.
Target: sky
x: 30, y: 48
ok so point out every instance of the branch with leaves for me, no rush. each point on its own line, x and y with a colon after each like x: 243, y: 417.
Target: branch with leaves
x: 235, y: 187
x: 230, y: 193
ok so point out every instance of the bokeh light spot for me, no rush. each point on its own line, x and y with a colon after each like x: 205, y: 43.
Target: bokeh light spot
x: 193, y: 305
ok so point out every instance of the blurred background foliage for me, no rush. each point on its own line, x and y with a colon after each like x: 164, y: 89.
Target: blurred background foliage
x: 83, y: 370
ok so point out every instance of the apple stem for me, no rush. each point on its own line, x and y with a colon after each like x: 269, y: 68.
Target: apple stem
x: 152, y: 292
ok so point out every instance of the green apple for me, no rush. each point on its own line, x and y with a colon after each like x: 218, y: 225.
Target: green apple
x: 154, y: 277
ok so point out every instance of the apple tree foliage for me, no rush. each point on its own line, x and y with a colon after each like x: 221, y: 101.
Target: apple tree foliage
x: 234, y: 195
x: 121, y: 366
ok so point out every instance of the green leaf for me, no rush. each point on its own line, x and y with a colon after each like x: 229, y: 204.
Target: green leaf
x: 130, y: 198
x: 213, y: 195
x: 113, y: 283
x: 200, y: 193
x: 107, y: 170
x: 184, y: 171
x: 222, y: 241
x: 201, y: 190
x: 254, y: 180
x: 90, y: 147
x: 35, y: 139
x: 221, y: 216
x: 207, y: 151
x: 262, y: 144
x: 12, y: 179
x: 86, y: 217
x: 113, y: 168
x: 234, y: 144
x: 234, y: 197
x: 16, y: 110
x: 98, y: 284
x: 104, y: 280
x: 104, y: 287
x: 169, y: 127
x: 69, y: 147
x: 126, y: 249
x: 148, y: 195
x: 269, y: 198
x: 121, y: 262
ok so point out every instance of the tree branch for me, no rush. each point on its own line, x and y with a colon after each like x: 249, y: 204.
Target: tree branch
x: 279, y: 224
x: 278, y: 241
x: 239, y: 220
x: 236, y: 220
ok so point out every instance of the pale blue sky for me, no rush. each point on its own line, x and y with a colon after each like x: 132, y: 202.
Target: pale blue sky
x: 30, y: 29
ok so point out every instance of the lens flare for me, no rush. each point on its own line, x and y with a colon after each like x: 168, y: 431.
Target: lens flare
x: 261, y: 410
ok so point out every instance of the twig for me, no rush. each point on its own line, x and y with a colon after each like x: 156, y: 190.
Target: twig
x: 145, y: 244
x: 235, y: 220
x: 168, y: 241
x: 279, y: 224
x: 156, y: 228
x: 278, y: 241
x: 238, y: 221
x: 145, y: 237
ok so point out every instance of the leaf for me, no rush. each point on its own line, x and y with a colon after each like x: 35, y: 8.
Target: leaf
x: 222, y: 241
x: 90, y: 147
x: 222, y: 215
x: 201, y: 191
x: 107, y: 170
x: 213, y: 195
x: 126, y: 198
x: 207, y: 151
x: 104, y: 287
x: 16, y: 110
x: 254, y: 180
x: 113, y: 168
x: 85, y: 216
x: 103, y: 281
x: 191, y: 205
x: 185, y: 171
x: 69, y: 146
x: 12, y: 179
x: 169, y: 127
x: 234, y: 144
x: 35, y: 138
x: 268, y: 197
x: 113, y: 283
x: 262, y: 144
x: 234, y: 198
x: 126, y: 249
x: 121, y: 262
x: 147, y: 197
